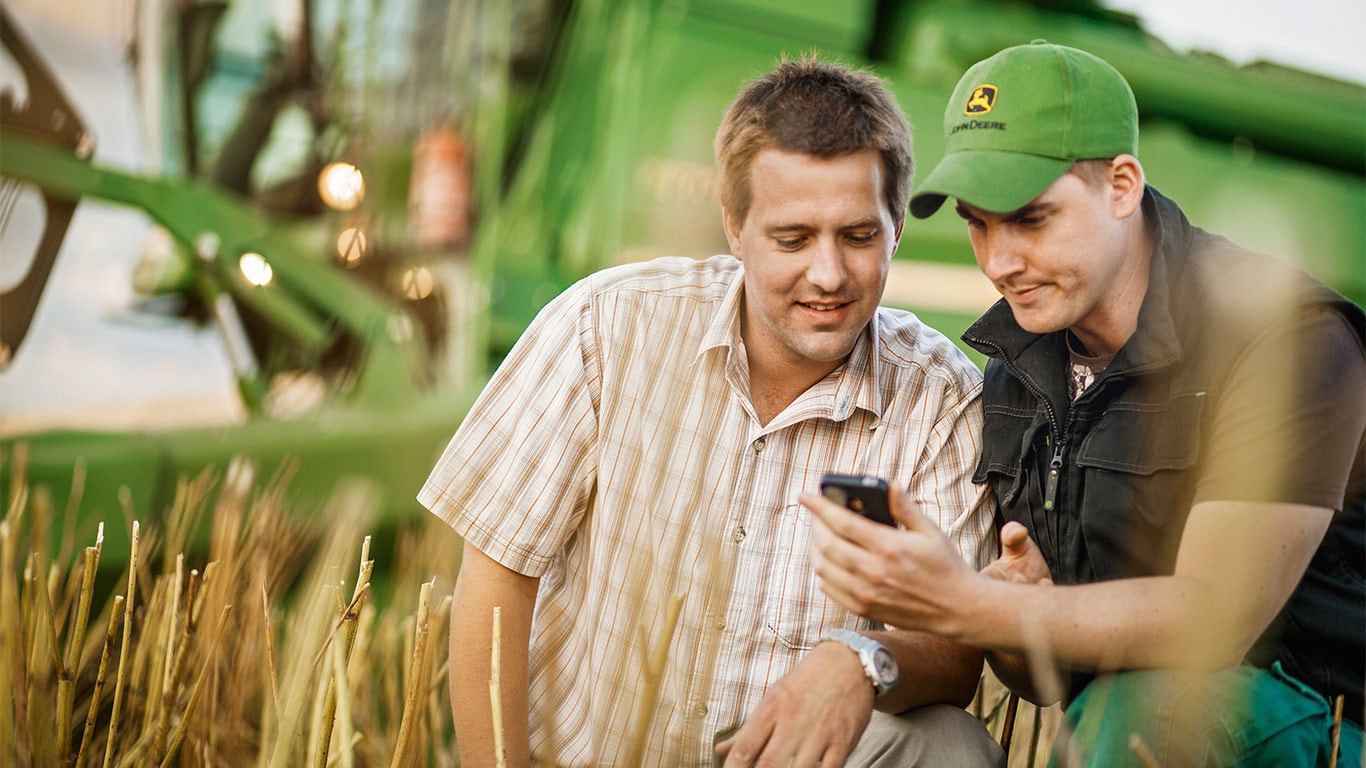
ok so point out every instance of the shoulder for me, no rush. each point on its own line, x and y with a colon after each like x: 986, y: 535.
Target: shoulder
x: 636, y: 286
x: 909, y: 348
x: 1243, y: 294
x: 677, y: 275
x: 1214, y: 280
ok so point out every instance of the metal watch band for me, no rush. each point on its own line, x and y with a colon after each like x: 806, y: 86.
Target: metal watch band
x: 878, y: 664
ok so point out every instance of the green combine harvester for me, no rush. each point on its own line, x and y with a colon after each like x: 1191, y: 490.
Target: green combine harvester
x: 585, y: 146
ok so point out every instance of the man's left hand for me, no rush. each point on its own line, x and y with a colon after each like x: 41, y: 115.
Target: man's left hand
x: 814, y: 715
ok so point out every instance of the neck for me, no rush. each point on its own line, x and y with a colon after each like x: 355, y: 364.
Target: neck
x: 1116, y: 320
x: 774, y: 383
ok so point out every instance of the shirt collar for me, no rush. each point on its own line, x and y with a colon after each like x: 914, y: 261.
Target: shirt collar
x: 859, y: 376
x: 723, y: 332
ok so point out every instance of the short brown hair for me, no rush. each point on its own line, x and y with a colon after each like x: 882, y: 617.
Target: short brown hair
x: 1095, y: 172
x: 815, y: 108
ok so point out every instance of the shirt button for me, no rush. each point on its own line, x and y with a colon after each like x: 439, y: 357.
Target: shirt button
x: 738, y: 534
x: 759, y: 445
x: 700, y: 710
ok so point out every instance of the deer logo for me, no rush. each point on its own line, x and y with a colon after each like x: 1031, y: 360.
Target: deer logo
x: 981, y: 100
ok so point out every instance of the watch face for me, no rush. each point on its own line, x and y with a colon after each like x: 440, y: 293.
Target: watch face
x: 886, y: 665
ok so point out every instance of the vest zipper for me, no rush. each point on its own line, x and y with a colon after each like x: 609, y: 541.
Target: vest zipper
x: 1051, y: 486
x: 1044, y: 524
x: 1054, y: 426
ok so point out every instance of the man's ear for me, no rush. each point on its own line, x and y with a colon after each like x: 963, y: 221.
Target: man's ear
x: 732, y: 228
x: 1126, y: 185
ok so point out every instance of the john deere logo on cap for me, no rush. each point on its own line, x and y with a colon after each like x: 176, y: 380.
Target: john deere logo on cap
x: 981, y: 100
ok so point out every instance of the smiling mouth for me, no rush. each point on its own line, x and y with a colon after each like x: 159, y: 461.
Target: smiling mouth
x: 824, y: 306
x: 1021, y: 294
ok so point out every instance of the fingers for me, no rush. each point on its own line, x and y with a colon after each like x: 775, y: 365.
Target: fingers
x: 839, y: 538
x: 844, y: 523
x: 807, y: 754
x: 906, y: 512
x: 834, y: 572
x: 852, y: 555
x: 744, y: 746
x: 760, y: 736
x: 1014, y: 536
x: 749, y: 747
x: 765, y: 742
x: 836, y: 518
x: 1020, y: 561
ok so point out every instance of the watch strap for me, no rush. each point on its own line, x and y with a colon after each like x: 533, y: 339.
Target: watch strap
x: 867, y: 649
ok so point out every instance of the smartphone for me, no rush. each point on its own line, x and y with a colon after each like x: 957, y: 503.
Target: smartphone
x: 864, y: 494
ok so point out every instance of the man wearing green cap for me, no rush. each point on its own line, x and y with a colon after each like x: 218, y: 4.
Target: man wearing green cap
x: 1174, y: 432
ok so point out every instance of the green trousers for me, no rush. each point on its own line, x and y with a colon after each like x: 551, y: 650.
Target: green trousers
x: 1243, y: 716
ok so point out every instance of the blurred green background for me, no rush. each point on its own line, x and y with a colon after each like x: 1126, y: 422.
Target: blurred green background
x: 185, y: 280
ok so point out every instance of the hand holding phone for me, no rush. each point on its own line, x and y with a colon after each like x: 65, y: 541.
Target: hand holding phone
x: 864, y: 494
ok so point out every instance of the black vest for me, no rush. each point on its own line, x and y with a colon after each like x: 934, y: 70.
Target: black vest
x: 1104, y: 484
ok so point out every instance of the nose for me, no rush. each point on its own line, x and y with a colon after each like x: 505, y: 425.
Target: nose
x: 999, y: 254
x: 827, y: 270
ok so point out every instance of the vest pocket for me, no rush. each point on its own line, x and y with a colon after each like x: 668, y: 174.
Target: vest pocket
x: 1007, y: 434
x: 1137, y: 478
x: 1143, y: 438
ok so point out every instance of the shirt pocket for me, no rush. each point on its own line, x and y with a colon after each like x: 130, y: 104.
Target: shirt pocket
x: 796, y: 611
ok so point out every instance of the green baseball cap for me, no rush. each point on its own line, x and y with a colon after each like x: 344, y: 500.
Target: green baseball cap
x: 1018, y: 120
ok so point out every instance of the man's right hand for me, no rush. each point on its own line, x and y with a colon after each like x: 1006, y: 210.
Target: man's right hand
x: 814, y: 715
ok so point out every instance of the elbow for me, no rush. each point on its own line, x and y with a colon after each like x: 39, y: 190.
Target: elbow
x: 963, y: 701
x: 1040, y: 686
x: 1036, y: 698
x: 1217, y: 638
x: 1212, y: 651
x: 963, y: 688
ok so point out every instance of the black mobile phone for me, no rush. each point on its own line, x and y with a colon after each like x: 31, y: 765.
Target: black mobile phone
x: 864, y: 494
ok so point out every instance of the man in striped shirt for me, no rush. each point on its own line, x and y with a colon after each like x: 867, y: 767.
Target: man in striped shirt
x: 627, y: 482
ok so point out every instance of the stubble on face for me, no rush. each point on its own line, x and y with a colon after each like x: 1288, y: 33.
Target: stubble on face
x: 816, y: 244
x: 1062, y: 261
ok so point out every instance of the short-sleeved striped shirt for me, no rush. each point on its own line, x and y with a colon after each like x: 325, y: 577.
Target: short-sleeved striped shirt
x: 616, y: 456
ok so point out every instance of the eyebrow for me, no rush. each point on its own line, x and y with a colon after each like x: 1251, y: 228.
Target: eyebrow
x: 795, y: 228
x: 1025, y: 211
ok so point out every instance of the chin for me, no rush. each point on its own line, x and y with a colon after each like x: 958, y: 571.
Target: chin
x: 1037, y: 322
x: 835, y: 351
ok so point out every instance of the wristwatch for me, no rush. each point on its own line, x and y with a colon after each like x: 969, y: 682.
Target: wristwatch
x: 878, y: 663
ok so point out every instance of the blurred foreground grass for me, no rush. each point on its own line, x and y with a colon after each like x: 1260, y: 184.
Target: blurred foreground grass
x: 1032, y: 729
x: 270, y: 648
x: 274, y: 642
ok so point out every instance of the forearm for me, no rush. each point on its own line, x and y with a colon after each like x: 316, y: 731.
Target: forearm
x: 482, y: 586
x: 1125, y: 624
x: 1237, y: 565
x: 1157, y: 622
x: 1039, y: 684
x: 933, y: 670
